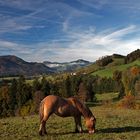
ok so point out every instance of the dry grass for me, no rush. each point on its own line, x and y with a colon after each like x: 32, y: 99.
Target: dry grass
x: 112, y: 124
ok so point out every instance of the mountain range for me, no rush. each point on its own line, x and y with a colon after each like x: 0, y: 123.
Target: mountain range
x: 13, y: 65
x: 67, y: 66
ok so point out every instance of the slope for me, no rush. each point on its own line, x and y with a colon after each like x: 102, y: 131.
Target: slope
x: 108, y: 71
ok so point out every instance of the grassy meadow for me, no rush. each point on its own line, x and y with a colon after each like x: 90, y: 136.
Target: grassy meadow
x: 112, y: 124
x: 108, y: 71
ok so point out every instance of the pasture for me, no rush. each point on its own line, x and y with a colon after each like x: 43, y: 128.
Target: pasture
x: 108, y: 71
x: 112, y: 124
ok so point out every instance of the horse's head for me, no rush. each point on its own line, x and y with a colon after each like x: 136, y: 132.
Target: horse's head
x: 90, y: 124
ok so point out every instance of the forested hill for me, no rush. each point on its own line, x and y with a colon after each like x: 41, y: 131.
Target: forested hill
x: 12, y: 65
x: 106, y: 65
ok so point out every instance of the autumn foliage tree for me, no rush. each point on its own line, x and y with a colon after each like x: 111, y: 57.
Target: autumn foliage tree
x: 117, y: 76
x: 130, y: 79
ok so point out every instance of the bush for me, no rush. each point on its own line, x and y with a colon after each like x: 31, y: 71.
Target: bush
x: 128, y: 102
x: 27, y: 109
x: 104, y: 61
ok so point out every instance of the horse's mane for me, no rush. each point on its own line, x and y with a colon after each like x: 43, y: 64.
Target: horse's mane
x: 85, y: 111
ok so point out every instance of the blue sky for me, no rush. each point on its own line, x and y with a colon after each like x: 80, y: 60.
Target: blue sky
x: 66, y: 30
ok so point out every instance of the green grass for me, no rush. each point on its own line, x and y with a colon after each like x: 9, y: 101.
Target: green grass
x: 108, y: 71
x: 112, y: 124
x: 106, y: 96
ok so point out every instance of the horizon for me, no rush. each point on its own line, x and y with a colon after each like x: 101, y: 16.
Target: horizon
x: 43, y: 60
x: 64, y: 61
x: 64, y: 31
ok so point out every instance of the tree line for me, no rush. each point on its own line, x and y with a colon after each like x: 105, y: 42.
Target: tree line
x: 20, y: 97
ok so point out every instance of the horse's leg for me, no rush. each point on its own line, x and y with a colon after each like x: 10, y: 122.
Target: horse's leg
x: 78, y: 125
x: 42, y: 129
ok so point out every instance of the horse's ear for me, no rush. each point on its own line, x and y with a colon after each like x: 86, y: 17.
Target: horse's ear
x: 92, y: 118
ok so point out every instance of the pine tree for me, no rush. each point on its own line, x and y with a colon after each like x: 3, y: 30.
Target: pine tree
x: 4, y: 100
x: 24, y: 92
x: 20, y: 91
x: 36, y: 85
x: 45, y: 86
x: 117, y: 76
x: 12, y: 96
x: 68, y: 91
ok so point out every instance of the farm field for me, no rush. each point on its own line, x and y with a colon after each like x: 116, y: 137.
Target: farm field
x: 112, y: 124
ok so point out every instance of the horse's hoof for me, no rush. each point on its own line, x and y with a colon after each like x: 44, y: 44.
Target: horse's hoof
x: 45, y: 133
x: 76, y: 131
x: 40, y: 133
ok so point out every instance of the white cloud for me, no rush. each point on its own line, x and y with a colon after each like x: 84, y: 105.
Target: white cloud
x: 91, y: 46
x: 86, y: 45
x: 74, y: 42
x: 14, y: 48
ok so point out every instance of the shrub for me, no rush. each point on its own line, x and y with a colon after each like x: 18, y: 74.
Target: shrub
x: 27, y: 109
x: 104, y: 61
x: 128, y: 101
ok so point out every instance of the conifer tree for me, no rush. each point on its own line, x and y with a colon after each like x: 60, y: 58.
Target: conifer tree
x: 12, y: 96
x: 45, y: 86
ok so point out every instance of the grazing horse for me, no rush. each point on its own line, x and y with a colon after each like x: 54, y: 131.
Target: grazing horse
x: 65, y: 108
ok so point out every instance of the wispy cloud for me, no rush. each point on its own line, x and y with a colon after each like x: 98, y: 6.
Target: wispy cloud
x: 87, y: 45
x: 39, y: 14
x: 64, y: 31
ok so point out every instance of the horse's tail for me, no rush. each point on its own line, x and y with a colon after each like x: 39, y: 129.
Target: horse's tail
x: 41, y: 110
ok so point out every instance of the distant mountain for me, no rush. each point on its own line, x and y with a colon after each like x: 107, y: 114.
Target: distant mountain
x: 67, y: 66
x: 12, y: 65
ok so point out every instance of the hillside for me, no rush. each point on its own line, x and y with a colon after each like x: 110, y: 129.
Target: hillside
x: 108, y: 71
x: 95, y: 67
x: 12, y: 65
x: 105, y: 66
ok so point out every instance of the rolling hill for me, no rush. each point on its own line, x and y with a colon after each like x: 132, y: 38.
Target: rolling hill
x: 104, y: 67
x: 118, y: 62
x: 108, y: 71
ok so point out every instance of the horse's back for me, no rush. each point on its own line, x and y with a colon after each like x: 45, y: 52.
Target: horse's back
x: 51, y: 97
x: 60, y: 106
x: 50, y: 100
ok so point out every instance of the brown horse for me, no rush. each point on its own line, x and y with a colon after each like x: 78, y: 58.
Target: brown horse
x: 65, y: 108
